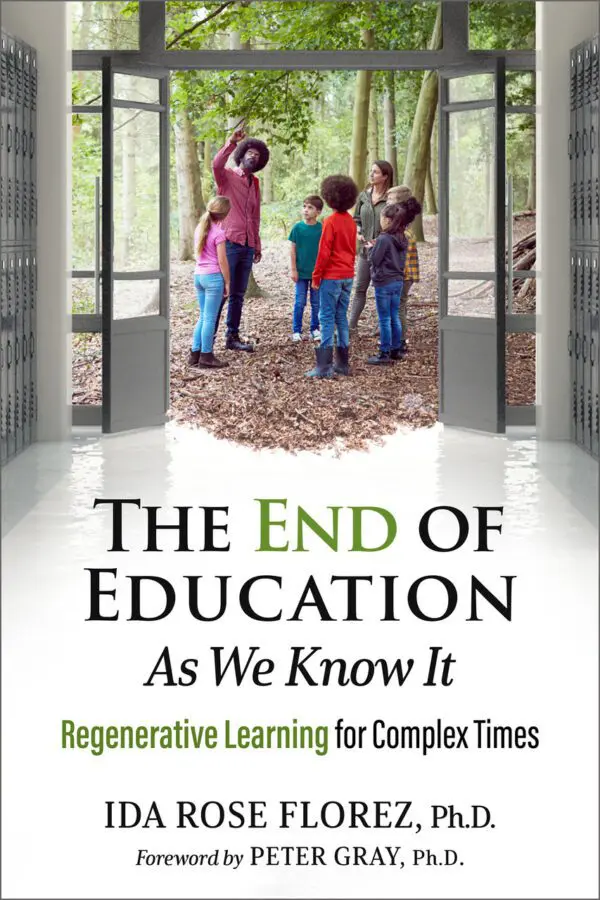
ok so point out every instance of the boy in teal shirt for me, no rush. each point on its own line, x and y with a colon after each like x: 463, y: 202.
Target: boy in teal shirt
x: 304, y: 246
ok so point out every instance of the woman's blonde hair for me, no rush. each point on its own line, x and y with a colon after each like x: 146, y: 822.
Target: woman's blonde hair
x: 400, y: 193
x: 217, y: 209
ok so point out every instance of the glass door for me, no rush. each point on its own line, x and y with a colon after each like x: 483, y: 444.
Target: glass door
x: 135, y: 247
x: 472, y: 240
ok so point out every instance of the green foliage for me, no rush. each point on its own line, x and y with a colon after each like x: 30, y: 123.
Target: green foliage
x: 499, y: 25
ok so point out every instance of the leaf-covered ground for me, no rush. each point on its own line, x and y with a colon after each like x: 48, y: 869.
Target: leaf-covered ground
x: 264, y: 400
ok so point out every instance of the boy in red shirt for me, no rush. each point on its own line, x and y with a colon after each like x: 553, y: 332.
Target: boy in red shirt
x: 334, y: 273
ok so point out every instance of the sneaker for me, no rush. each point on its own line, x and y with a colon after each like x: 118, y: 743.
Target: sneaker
x: 316, y: 335
x: 296, y: 337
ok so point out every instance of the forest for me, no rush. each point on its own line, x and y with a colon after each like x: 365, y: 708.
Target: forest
x: 315, y: 123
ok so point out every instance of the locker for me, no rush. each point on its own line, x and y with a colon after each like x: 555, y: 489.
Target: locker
x: 3, y: 357
x: 586, y: 158
x: 572, y: 345
x: 586, y: 351
x: 579, y: 347
x: 594, y: 353
x: 594, y: 140
x: 573, y: 143
x: 18, y: 270
x: 580, y: 185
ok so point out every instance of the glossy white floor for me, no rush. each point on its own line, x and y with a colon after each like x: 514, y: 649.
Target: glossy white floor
x: 540, y: 669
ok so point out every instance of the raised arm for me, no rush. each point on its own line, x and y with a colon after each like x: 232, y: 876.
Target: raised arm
x: 220, y: 161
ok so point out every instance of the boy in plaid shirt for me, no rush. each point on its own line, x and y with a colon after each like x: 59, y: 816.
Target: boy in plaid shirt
x: 400, y: 194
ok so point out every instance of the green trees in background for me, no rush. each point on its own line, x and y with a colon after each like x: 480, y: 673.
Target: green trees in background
x: 315, y: 123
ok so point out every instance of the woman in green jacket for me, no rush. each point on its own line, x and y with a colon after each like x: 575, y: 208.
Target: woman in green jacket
x: 367, y: 212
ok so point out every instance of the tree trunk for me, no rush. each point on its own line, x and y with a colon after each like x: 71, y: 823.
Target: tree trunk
x: 189, y: 183
x: 373, y: 139
x: 128, y: 197
x: 389, y: 123
x: 360, y: 119
x: 253, y: 289
x: 430, y: 201
x: 532, y: 175
x: 418, y: 148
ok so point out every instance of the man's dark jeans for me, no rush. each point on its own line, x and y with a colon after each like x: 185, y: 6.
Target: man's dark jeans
x: 240, y: 260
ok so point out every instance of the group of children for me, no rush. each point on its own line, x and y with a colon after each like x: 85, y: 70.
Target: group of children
x: 322, y: 267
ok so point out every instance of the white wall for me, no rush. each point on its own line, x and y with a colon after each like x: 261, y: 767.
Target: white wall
x: 43, y: 25
x: 560, y: 25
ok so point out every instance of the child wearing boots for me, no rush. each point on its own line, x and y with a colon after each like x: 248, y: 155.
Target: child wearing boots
x: 400, y: 194
x: 333, y: 275
x: 211, y: 280
x: 304, y: 245
x: 387, y: 259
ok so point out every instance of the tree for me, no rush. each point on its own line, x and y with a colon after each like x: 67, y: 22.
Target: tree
x: 373, y: 137
x: 360, y: 120
x: 189, y: 182
x: 389, y: 122
x: 417, y: 160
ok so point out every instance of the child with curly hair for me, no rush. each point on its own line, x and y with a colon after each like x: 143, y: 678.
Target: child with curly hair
x: 333, y: 275
x: 387, y: 260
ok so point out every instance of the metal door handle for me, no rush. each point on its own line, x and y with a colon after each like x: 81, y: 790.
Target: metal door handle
x: 592, y: 139
x: 584, y: 141
x: 577, y: 345
x: 1, y: 357
x: 570, y: 343
x: 24, y: 143
x: 583, y: 346
x: 31, y: 144
x: 592, y: 351
x: 17, y: 354
x: 570, y: 146
x: 24, y: 340
x: 17, y: 140
x: 8, y: 138
x: 8, y: 355
x: 31, y: 344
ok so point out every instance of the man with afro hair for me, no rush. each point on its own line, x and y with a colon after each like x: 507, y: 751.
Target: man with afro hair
x: 334, y: 273
x: 242, y: 225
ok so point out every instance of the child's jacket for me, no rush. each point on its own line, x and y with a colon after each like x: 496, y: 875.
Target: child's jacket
x: 337, y: 248
x: 387, y: 259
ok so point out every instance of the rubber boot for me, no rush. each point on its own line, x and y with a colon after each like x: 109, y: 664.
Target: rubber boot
x: 382, y: 359
x: 341, y: 366
x: 210, y: 361
x: 324, y: 366
x: 193, y: 358
x: 233, y: 342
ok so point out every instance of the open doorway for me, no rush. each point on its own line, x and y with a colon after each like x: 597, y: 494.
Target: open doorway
x: 308, y: 118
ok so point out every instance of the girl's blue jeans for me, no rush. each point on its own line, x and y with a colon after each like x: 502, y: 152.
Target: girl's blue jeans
x: 209, y: 291
x: 333, y: 311
x: 387, y: 301
x: 303, y: 286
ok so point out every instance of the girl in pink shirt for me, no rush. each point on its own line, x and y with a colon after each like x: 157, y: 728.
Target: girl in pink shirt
x: 211, y: 280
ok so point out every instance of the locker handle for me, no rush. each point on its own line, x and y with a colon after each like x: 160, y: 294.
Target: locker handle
x: 24, y: 143
x: 8, y: 355
x: 577, y: 345
x: 31, y: 144
x: 24, y: 340
x: 8, y: 138
x: 584, y: 142
x: 31, y: 344
x: 570, y: 343
x: 17, y: 140
x: 17, y: 353
x: 592, y: 351
x: 570, y: 146
x: 1, y: 357
x: 1, y: 135
x: 583, y: 346
x: 592, y: 139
